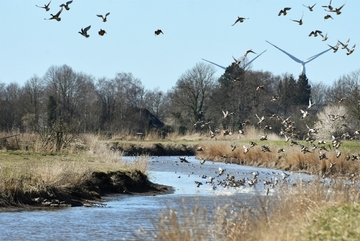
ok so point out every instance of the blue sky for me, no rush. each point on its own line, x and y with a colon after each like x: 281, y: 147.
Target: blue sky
x: 193, y: 29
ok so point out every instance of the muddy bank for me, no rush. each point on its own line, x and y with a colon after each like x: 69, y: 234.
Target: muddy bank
x: 89, y: 193
x: 154, y: 149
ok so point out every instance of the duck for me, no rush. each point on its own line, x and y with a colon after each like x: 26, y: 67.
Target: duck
x: 334, y: 48
x: 284, y: 11
x: 344, y: 45
x: 300, y: 22
x: 227, y: 114
x: 337, y: 10
x: 263, y: 138
x: 66, y: 5
x: 84, y: 33
x: 310, y: 7
x: 260, y: 119
x: 104, y: 18
x: 239, y: 20
x: 350, y: 51
x: 198, y: 183
x: 328, y: 16
x: 236, y: 61
x: 324, y: 37
x: 102, y: 32
x: 248, y: 51
x: 46, y: 6
x: 304, y: 113
x: 159, y: 31
x: 311, y: 104
x: 246, y: 150
x: 56, y: 16
x: 183, y: 159
x: 260, y: 87
x: 315, y: 33
x: 328, y: 6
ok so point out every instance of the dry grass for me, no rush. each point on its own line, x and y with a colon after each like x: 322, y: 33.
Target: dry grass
x: 290, y: 214
x: 292, y: 159
x: 26, y: 174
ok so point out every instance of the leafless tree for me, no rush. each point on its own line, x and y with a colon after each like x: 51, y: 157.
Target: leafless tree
x: 192, y: 92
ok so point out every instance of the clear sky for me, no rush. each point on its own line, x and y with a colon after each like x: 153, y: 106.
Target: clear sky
x: 193, y: 29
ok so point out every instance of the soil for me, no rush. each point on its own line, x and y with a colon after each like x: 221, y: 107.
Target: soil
x: 90, y: 193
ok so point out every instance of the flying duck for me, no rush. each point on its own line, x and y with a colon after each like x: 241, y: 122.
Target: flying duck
x: 46, y: 6
x: 284, y: 11
x: 300, y: 22
x: 66, y: 5
x: 102, y: 32
x: 159, y: 31
x: 84, y: 33
x: 56, y: 16
x: 310, y: 7
x: 104, y: 18
x: 239, y: 20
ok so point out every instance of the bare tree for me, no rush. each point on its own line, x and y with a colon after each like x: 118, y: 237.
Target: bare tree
x: 191, y: 94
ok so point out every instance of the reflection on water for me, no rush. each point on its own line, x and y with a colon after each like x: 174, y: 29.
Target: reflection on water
x: 125, y: 214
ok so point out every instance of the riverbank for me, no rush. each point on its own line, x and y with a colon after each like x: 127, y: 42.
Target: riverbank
x: 89, y: 193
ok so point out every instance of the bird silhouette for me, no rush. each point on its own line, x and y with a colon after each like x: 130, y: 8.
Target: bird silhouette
x: 239, y: 20
x: 56, y: 16
x: 300, y: 21
x: 159, y: 31
x: 284, y: 11
x: 350, y: 51
x: 84, y: 33
x: 310, y: 7
x: 328, y: 16
x: 46, y: 6
x: 344, y: 45
x: 66, y: 5
x: 315, y: 33
x: 336, y: 10
x: 102, y: 32
x: 104, y: 18
x: 248, y: 51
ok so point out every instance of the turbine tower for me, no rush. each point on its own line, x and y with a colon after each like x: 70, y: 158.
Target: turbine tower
x: 303, y: 71
x: 246, y: 65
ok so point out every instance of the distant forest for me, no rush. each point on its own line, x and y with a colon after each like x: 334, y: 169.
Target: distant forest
x: 66, y: 101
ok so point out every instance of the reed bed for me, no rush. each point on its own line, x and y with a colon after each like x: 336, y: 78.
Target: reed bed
x: 305, y: 211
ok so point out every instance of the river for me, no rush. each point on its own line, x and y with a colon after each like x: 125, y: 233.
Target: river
x: 123, y: 215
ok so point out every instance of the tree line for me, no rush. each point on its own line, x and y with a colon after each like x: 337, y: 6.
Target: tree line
x: 65, y: 102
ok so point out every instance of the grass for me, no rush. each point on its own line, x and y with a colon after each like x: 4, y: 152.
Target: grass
x: 27, y: 174
x: 307, y: 211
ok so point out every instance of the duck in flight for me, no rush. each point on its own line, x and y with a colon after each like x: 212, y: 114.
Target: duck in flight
x: 84, y: 33
x: 310, y: 7
x: 284, y: 11
x: 66, y: 5
x: 102, y: 32
x: 239, y: 20
x: 300, y: 22
x: 104, y: 18
x: 46, y: 6
x: 56, y: 16
x: 159, y: 31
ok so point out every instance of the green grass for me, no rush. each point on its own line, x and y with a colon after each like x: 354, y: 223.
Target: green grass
x: 335, y: 223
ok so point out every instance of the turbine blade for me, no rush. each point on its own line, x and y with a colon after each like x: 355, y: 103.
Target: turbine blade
x: 291, y: 56
x: 248, y: 63
x: 215, y: 64
x: 316, y: 55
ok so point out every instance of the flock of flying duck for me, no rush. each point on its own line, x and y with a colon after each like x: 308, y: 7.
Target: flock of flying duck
x: 83, y: 31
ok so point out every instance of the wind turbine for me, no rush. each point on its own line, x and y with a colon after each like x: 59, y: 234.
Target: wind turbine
x: 246, y: 65
x: 298, y: 60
